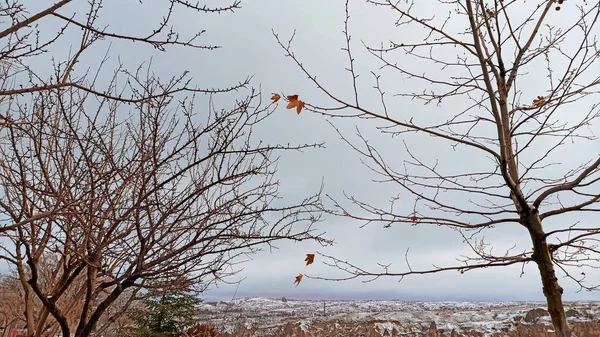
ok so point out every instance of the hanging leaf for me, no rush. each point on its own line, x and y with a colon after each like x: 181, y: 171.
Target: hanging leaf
x: 299, y: 107
x: 310, y: 258
x: 539, y: 101
x: 275, y: 97
x: 293, y: 101
x: 298, y: 279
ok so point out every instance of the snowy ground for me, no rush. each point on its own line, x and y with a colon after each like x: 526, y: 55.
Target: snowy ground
x: 478, y: 316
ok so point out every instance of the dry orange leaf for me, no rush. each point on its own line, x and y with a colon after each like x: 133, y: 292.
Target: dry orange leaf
x: 539, y: 101
x: 275, y: 97
x: 299, y: 107
x: 310, y: 258
x: 298, y: 279
x: 293, y: 101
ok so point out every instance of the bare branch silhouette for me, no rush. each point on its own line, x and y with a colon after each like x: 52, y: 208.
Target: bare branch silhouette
x: 473, y: 62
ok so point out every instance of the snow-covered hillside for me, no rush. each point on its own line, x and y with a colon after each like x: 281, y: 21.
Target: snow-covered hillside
x: 264, y: 315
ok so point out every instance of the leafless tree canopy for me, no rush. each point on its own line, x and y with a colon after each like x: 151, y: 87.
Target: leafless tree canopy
x: 122, y: 180
x: 472, y: 64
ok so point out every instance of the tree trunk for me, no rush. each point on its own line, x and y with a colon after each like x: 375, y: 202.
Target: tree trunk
x: 90, y: 326
x: 27, y: 296
x: 41, y: 322
x: 552, y: 290
x: 29, y: 313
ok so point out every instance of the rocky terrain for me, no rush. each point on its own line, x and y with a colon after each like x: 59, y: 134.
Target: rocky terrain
x: 285, y: 317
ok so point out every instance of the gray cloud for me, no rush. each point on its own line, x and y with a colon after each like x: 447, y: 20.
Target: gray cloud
x: 250, y: 49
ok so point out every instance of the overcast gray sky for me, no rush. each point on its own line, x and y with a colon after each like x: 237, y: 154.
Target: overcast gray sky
x: 249, y: 48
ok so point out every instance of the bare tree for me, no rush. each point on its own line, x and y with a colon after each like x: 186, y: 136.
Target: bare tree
x: 11, y: 306
x: 23, y: 305
x: 479, y: 59
x: 116, y: 175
